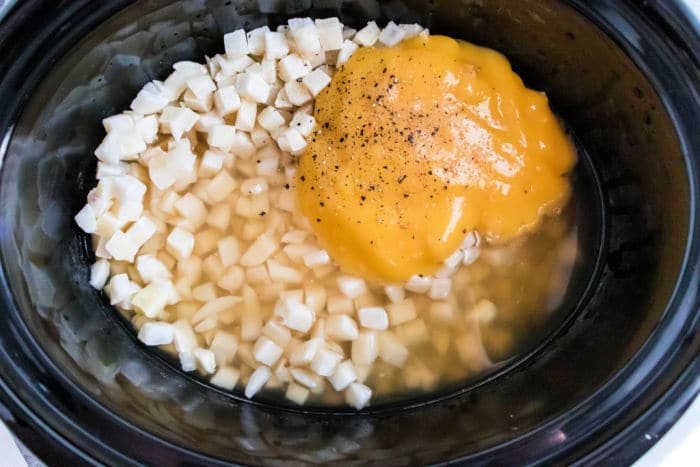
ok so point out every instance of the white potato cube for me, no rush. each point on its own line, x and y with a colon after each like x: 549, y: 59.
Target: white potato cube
x: 373, y: 317
x: 441, y: 311
x: 304, y: 352
x: 352, y: 287
x: 391, y: 34
x: 257, y: 380
x: 293, y: 67
x: 391, y: 350
x: 276, y: 46
x: 86, y: 219
x: 306, y: 40
x: 343, y: 376
x: 242, y: 146
x: 201, y: 86
x: 220, y: 187
x: 440, y: 288
x: 368, y: 35
x: 346, y: 50
x: 221, y: 136
x: 297, y: 93
x: 192, y: 209
x: 412, y: 333
x: 150, y: 268
x: 260, y: 250
x: 330, y: 33
x: 120, y: 247
x: 270, y: 118
x: 229, y: 249
x: 297, y: 393
x: 411, y: 30
x: 277, y: 333
x: 151, y: 98
x: 212, y: 161
x: 224, y: 345
x: 340, y: 304
x: 177, y: 120
x: 365, y: 348
x: 200, y: 105
x: 253, y: 87
x: 156, y: 333
x: 207, y: 121
x: 227, y: 100
x: 266, y: 351
x: 470, y: 256
x: 187, y: 361
x: 99, y: 272
x: 226, y: 378
x: 317, y: 258
x: 315, y: 296
x: 315, y: 81
x: 141, y: 231
x: 297, y: 316
x: 303, y: 123
x: 395, y: 293
x: 307, y: 378
x: 118, y: 288
x: 282, y: 100
x: 260, y: 137
x: 219, y: 216
x: 118, y: 122
x: 254, y: 186
x: 180, y: 243
x: 245, y: 118
x: 341, y: 327
x: 206, y: 360
x: 419, y: 283
x: 256, y: 40
x: 184, y: 337
x: 147, y: 128
x: 325, y: 361
x: 358, y: 395
x: 291, y: 141
x: 401, y: 312
x: 236, y: 44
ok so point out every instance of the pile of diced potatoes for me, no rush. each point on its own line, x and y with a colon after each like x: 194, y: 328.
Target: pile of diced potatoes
x: 197, y: 235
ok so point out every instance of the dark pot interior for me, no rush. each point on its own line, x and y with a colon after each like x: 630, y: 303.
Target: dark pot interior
x: 76, y: 374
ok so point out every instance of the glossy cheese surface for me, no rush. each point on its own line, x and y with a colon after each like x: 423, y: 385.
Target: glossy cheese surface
x: 417, y: 144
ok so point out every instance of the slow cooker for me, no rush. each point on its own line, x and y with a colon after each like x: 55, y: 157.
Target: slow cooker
x: 78, y: 388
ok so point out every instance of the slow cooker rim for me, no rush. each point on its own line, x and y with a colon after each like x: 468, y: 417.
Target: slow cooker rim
x: 26, y: 8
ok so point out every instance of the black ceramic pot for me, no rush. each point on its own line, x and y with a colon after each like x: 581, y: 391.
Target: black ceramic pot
x: 603, y: 386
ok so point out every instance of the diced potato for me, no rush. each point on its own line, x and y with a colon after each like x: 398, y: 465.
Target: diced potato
x: 341, y: 327
x: 219, y: 216
x: 401, y: 312
x: 391, y: 350
x: 413, y: 332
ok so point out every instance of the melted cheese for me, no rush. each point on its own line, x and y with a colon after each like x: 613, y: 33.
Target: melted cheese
x: 419, y: 143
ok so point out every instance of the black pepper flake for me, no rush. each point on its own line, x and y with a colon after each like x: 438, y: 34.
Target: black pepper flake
x: 302, y: 178
x: 363, y: 197
x: 405, y: 195
x: 286, y: 186
x: 262, y: 213
x: 401, y: 178
x: 384, y: 70
x: 321, y: 203
x: 318, y: 219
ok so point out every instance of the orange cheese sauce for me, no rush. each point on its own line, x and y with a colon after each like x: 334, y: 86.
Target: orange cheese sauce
x: 416, y: 145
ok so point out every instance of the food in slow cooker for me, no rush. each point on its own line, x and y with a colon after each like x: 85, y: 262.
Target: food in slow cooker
x: 332, y: 213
